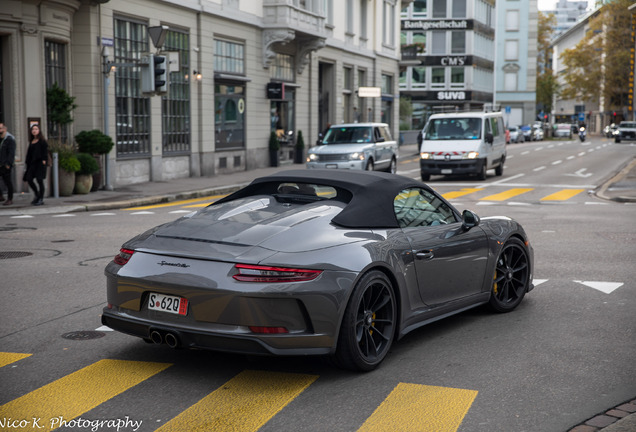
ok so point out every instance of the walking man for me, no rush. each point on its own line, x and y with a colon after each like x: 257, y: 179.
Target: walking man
x: 7, y: 158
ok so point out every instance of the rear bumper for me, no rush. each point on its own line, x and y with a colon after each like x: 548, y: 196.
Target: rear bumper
x: 234, y: 340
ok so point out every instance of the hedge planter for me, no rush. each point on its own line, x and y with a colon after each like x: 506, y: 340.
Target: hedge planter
x: 83, y: 183
x: 66, y: 182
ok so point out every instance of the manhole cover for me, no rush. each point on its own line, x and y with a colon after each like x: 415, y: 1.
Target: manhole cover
x: 83, y: 335
x: 14, y: 254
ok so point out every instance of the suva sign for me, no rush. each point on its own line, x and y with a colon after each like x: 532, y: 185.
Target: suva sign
x: 451, y: 95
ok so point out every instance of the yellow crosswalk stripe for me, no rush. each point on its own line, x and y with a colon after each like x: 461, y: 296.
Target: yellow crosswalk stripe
x: 8, y: 358
x: 510, y: 193
x: 562, y: 195
x: 209, y: 199
x: 461, y: 193
x: 79, y: 392
x: 413, y: 407
x: 245, y: 403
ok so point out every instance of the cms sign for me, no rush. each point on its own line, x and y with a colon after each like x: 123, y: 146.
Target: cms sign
x: 453, y: 61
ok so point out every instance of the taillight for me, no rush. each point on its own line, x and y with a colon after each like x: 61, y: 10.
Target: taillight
x: 267, y: 274
x: 123, y: 256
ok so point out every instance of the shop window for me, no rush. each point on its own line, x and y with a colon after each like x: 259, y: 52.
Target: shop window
x: 55, y: 72
x: 176, y: 104
x: 229, y: 116
x: 229, y: 57
x: 132, y: 108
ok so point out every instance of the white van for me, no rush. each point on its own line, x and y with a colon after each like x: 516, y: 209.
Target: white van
x: 463, y: 143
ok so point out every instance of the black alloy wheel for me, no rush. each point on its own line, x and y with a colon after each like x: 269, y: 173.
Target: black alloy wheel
x: 368, y: 325
x: 512, y: 276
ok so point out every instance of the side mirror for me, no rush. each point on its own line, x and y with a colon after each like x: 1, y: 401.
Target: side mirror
x: 469, y: 220
x: 489, y: 138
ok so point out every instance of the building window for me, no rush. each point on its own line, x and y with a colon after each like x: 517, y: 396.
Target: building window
x: 512, y: 20
x: 229, y: 57
x: 510, y: 81
x: 229, y: 116
x: 55, y: 72
x: 282, y: 67
x: 419, y: 9
x: 363, y: 18
x: 438, y: 42
x: 439, y: 9
x: 457, y: 77
x: 347, y: 86
x: 458, y: 42
x: 362, y: 102
x: 388, y: 24
x: 511, y: 50
x: 438, y: 77
x: 349, y: 12
x: 459, y: 8
x: 175, y: 106
x: 132, y: 109
x: 418, y: 77
x: 387, y: 84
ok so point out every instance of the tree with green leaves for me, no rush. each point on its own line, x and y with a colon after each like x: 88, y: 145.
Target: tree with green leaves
x: 59, y: 107
x: 599, y: 65
x: 547, y: 84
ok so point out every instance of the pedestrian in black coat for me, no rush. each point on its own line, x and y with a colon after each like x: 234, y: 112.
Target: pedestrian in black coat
x: 7, y: 159
x: 36, y: 159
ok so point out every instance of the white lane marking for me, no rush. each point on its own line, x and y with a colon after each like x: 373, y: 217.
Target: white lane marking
x: 537, y: 282
x: 541, y: 168
x: 103, y: 328
x: 557, y: 162
x: 143, y: 213
x: 103, y: 214
x: 64, y: 215
x: 604, y: 287
x: 22, y: 217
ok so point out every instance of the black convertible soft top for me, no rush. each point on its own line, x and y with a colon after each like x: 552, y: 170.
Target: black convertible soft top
x: 371, y: 193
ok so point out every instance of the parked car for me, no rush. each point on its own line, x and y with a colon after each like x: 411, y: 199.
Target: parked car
x: 527, y: 132
x: 340, y: 263
x: 363, y: 146
x: 515, y: 134
x: 563, y: 130
x: 537, y: 133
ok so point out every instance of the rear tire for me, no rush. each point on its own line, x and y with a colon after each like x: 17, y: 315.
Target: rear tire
x: 368, y: 325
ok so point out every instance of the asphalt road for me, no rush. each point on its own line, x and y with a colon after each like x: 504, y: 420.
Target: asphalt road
x: 565, y: 355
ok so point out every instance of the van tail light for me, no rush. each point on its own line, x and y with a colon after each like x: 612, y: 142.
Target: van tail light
x: 123, y: 256
x: 267, y: 274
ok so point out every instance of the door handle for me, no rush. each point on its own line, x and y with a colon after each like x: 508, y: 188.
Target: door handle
x: 424, y: 254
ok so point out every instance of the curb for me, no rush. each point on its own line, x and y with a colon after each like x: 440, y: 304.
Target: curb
x: 602, y: 191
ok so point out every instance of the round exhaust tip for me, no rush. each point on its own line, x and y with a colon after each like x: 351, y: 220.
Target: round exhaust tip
x: 156, y: 337
x: 172, y: 340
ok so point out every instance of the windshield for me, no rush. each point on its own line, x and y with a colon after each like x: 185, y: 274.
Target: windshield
x: 454, y: 129
x: 347, y: 135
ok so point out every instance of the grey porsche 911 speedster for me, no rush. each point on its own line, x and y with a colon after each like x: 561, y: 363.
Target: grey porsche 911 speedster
x: 315, y: 262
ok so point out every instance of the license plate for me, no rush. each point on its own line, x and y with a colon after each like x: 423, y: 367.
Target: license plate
x: 165, y: 303
x: 447, y: 171
x: 331, y: 166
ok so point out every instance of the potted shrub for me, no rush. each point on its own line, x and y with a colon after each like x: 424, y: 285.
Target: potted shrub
x: 84, y: 176
x: 96, y: 143
x: 68, y: 164
x: 299, y: 154
x: 274, y: 147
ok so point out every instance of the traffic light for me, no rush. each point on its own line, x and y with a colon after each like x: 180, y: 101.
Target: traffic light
x: 147, y: 74
x: 161, y: 73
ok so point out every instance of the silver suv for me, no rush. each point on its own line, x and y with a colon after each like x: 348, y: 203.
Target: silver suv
x: 363, y: 146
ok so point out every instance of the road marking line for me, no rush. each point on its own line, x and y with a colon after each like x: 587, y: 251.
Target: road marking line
x: 79, y: 392
x: 502, y: 196
x: 245, y: 403
x: 562, y: 195
x: 461, y: 193
x: 8, y: 358
x: 177, y: 203
x: 604, y: 287
x: 415, y: 407
x: 541, y: 168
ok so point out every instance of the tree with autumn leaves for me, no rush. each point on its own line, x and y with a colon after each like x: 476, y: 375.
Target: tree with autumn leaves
x: 598, y: 67
x: 547, y: 85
